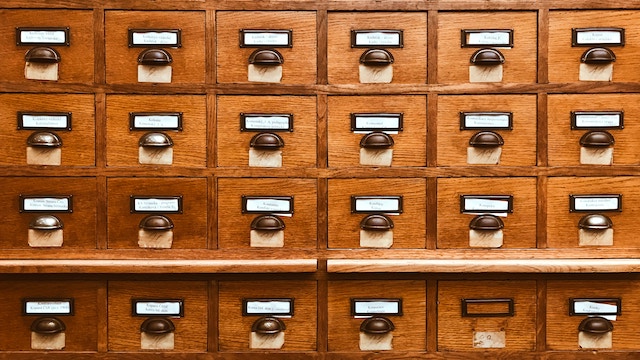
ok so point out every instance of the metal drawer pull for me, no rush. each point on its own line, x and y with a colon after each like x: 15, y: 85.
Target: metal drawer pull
x: 595, y: 325
x: 44, y: 139
x: 486, y: 139
x: 157, y: 326
x: 598, y: 56
x: 155, y: 139
x: 376, y: 140
x: 486, y: 223
x: 597, y: 139
x: 155, y: 57
x: 595, y: 222
x: 377, y: 325
x: 267, y: 223
x: 266, y: 141
x: 268, y: 57
x: 45, y: 55
x: 46, y: 222
x: 487, y: 57
x: 376, y: 57
x: 47, y: 325
x: 268, y: 325
x: 156, y: 222
x: 376, y: 222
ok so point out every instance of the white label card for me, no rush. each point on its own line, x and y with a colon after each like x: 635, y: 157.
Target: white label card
x: 268, y: 205
x: 45, y: 121
x: 43, y: 37
x: 378, y: 38
x: 167, y: 308
x: 45, y: 204
x: 590, y: 307
x: 598, y: 37
x: 364, y: 123
x: 596, y: 203
x: 266, y: 38
x: 155, y: 38
x: 597, y: 120
x: 47, y: 307
x: 267, y: 122
x: 377, y: 307
x: 156, y: 205
x: 487, y: 205
x: 156, y: 121
x: 495, y: 38
x: 491, y: 121
x: 272, y: 307
x: 380, y: 204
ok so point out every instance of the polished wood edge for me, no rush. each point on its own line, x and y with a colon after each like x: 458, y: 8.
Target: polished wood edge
x: 484, y: 265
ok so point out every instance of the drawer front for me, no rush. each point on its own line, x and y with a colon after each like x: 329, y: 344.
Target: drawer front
x: 52, y: 130
x: 565, y: 59
x: 290, y: 308
x: 73, y: 303
x: 347, y: 143
x: 48, y: 212
x: 566, y: 310
x: 298, y: 61
x: 486, y: 315
x: 171, y: 213
x: 271, y: 213
x: 520, y: 60
x: 409, y: 55
x: 125, y: 319
x: 242, y: 120
x: 409, y: 324
x: 74, y: 62
x: 487, y: 130
x: 180, y: 121
x: 576, y: 118
x: 355, y: 228
x: 458, y: 229
x: 616, y: 224
x: 186, y: 50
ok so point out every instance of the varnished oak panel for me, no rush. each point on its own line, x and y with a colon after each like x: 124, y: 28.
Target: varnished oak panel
x: 456, y: 332
x: 188, y: 64
x: 410, y: 61
x: 299, y: 145
x: 78, y: 144
x: 189, y: 144
x: 190, y: 334
x: 299, y: 65
x: 235, y: 329
x: 519, y: 147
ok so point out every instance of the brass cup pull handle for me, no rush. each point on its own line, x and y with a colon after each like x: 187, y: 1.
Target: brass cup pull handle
x: 156, y: 325
x: 486, y: 223
x: 266, y: 141
x: 268, y: 325
x: 158, y: 57
x: 377, y: 325
x: 376, y: 57
x: 595, y: 325
x: 376, y: 140
x: 45, y: 55
x: 376, y: 222
x: 488, y: 57
x: 46, y: 222
x: 47, y: 325
x: 598, y: 56
x: 156, y: 223
x: 595, y: 222
x: 44, y: 139
x: 266, y: 57
x: 155, y: 139
x: 486, y: 139
x: 267, y: 223
x: 597, y: 139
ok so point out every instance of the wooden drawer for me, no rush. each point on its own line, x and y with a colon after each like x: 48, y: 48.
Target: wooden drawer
x: 377, y: 213
x: 157, y: 213
x: 247, y: 123
x: 75, y: 61
x: 271, y: 213
x: 603, y: 216
x: 351, y: 120
x: 480, y: 226
x: 486, y: 315
x: 48, y: 212
x: 73, y: 303
x: 182, y: 303
x: 404, y: 42
x: 144, y: 130
x: 454, y: 55
x: 299, y: 58
x: 487, y: 130
x: 570, y: 302
x: 577, y: 121
x: 248, y: 308
x: 409, y: 317
x: 46, y: 121
x: 179, y: 35
x: 565, y: 59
